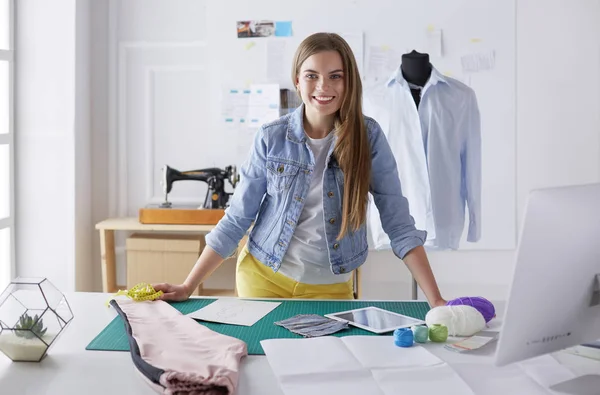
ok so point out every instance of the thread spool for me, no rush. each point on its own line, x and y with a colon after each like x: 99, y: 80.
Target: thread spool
x: 438, y: 333
x: 403, y: 337
x: 484, y: 306
x: 421, y: 333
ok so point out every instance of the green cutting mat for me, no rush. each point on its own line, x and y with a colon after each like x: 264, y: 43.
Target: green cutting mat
x: 114, y: 338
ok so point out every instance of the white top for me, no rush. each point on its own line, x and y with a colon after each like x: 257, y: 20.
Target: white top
x: 438, y: 152
x: 307, y: 256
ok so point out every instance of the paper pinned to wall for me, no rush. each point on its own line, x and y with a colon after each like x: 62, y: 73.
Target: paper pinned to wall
x: 479, y: 57
x: 356, y: 42
x: 234, y: 108
x: 263, y: 104
x: 283, y: 28
x: 434, y: 41
x: 275, y: 60
x: 382, y: 61
x: 476, y: 62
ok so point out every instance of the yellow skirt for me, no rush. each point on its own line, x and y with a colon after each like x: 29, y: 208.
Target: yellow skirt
x: 256, y: 280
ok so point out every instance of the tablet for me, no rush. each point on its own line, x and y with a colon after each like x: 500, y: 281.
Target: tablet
x: 375, y: 320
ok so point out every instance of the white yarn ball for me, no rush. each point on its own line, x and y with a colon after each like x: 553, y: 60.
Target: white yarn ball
x: 461, y: 320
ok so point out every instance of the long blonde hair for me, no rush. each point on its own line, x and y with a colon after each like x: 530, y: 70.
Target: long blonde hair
x: 352, y: 149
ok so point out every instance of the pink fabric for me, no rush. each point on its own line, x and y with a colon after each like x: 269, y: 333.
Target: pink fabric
x: 195, y: 359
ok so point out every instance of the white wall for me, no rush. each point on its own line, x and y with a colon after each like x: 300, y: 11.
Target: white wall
x: 52, y: 142
x: 558, y: 138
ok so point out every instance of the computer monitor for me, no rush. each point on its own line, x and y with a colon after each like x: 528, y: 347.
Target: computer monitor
x: 554, y: 299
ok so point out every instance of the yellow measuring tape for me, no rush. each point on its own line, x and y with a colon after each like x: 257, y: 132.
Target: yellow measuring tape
x: 139, y: 292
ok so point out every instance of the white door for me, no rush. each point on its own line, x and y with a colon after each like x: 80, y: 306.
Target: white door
x: 7, y: 242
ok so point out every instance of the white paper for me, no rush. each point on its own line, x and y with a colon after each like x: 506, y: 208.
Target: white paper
x: 434, y: 42
x: 276, y: 60
x: 382, y: 61
x: 234, y: 311
x: 263, y: 104
x: 345, y: 383
x: 439, y: 379
x: 546, y: 371
x: 234, y: 106
x: 358, y: 365
x: 376, y: 352
x: 477, y: 62
x: 309, y: 356
x: 355, y: 41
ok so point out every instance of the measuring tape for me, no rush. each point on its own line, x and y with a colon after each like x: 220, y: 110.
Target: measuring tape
x: 140, y: 292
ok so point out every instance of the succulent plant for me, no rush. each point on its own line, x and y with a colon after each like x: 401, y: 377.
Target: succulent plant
x: 29, y: 327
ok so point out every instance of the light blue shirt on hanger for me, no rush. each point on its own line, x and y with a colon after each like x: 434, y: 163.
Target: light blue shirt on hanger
x: 438, y: 152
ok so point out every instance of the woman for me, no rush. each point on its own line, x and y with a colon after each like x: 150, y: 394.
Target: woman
x: 306, y: 188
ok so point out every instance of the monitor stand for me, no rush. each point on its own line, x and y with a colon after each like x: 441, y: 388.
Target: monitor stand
x: 588, y: 384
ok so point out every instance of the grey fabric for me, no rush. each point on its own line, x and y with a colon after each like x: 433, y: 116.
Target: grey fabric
x: 312, y: 325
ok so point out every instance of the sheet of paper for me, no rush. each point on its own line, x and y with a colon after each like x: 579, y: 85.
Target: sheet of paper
x: 234, y: 106
x: 439, y: 379
x: 358, y: 365
x: 434, y: 41
x: 356, y: 42
x: 376, y: 352
x: 234, y: 311
x: 276, y: 65
x: 345, y: 383
x: 477, y: 62
x: 263, y: 104
x: 472, y: 343
x: 283, y: 28
x: 546, y: 370
x: 309, y: 356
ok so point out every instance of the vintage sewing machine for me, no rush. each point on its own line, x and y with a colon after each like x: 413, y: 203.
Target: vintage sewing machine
x: 209, y: 213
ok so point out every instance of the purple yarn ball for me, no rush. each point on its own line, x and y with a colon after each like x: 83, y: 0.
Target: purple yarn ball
x: 484, y: 306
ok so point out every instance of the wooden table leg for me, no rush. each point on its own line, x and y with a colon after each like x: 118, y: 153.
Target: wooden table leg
x: 414, y: 289
x: 109, y: 269
x: 357, y: 286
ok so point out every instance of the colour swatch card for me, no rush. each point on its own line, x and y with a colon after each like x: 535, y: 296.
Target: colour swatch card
x: 359, y: 365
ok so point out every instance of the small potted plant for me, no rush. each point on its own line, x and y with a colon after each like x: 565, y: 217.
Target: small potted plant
x: 32, y: 315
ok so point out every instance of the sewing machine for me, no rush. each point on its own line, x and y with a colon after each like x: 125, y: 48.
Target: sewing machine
x: 216, y: 197
x: 215, y: 201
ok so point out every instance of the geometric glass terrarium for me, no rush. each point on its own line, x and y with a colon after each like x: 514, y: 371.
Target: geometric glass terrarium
x: 33, y: 314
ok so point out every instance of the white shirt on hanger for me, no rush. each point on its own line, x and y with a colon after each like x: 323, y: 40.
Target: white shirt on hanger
x: 438, y: 151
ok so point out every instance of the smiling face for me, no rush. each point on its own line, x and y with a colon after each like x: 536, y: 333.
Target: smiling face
x: 320, y: 82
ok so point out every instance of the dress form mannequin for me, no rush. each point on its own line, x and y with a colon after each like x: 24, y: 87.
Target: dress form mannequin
x: 416, y: 70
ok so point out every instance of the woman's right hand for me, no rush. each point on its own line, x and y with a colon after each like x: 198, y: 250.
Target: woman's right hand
x: 175, y: 293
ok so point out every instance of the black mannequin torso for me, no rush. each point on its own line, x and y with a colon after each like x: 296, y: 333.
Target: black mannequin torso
x: 416, y: 69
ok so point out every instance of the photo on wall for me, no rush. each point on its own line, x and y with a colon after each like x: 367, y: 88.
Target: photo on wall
x: 250, y: 29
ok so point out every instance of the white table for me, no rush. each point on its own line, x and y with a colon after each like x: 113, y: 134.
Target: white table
x: 70, y: 369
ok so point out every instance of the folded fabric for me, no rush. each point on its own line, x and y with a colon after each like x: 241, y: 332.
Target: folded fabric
x: 312, y: 325
x: 177, y: 355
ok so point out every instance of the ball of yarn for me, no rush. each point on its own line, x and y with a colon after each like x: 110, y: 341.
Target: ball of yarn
x: 484, y: 306
x: 460, y: 320
x: 403, y: 337
x: 421, y: 333
x: 438, y: 333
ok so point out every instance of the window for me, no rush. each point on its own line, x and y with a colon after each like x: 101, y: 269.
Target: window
x: 7, y: 243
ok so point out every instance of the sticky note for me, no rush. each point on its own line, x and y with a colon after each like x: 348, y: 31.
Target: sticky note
x: 283, y: 29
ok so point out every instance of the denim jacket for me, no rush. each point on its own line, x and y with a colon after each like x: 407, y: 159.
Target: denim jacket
x: 274, y: 182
